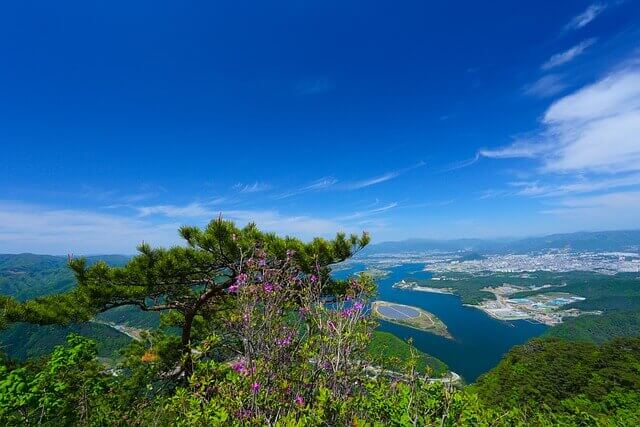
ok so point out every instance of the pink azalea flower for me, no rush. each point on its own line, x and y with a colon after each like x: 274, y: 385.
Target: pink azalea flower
x: 241, y: 279
x: 240, y: 368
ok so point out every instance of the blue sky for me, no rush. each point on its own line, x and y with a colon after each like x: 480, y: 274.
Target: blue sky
x: 120, y: 121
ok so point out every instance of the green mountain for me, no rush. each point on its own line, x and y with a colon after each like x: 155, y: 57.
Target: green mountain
x: 598, y: 329
x: 27, y: 276
x: 565, y: 376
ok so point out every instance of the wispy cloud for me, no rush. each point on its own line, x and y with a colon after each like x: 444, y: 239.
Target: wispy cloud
x: 493, y: 193
x: 33, y: 228
x: 587, y: 152
x: 42, y: 229
x: 368, y: 182
x: 519, y: 149
x: 584, y: 18
x: 616, y: 210
x: 584, y: 185
x: 461, y: 164
x: 568, y: 55
x: 598, y: 127
x: 546, y: 86
x: 303, y: 226
x: 595, y: 129
x: 190, y: 210
x: 369, y: 212
x: 317, y: 185
x: 256, y: 187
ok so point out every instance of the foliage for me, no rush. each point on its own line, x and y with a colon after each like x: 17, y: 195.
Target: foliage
x: 279, y: 343
x: 62, y: 392
x: 27, y: 276
x: 189, y: 282
x: 25, y: 340
x: 390, y: 352
x: 598, y: 328
x: 554, y: 373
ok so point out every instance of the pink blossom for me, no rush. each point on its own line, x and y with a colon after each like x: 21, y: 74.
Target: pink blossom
x: 285, y: 342
x: 233, y: 289
x: 268, y: 287
x: 313, y: 278
x: 240, y: 368
x: 241, y: 279
x: 299, y: 400
x: 255, y: 387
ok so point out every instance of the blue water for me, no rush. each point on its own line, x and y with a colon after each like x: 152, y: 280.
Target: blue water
x: 479, y: 341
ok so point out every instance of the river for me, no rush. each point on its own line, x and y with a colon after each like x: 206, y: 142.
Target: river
x: 479, y: 341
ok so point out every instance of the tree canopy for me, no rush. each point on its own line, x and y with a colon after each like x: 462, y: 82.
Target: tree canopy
x: 190, y: 281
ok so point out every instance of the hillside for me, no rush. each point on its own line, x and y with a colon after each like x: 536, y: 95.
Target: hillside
x: 391, y: 352
x: 564, y: 375
x: 598, y: 329
x: 27, y: 276
x: 22, y: 341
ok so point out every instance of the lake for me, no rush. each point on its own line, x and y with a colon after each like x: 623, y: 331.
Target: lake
x: 479, y: 341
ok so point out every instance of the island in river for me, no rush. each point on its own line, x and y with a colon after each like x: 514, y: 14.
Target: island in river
x: 410, y: 316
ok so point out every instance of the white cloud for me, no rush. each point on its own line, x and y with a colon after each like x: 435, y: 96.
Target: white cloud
x: 595, y: 129
x: 588, y: 154
x: 369, y: 212
x: 256, y: 187
x: 519, y: 149
x: 190, y: 210
x: 462, y: 164
x: 617, y: 210
x: 536, y: 189
x: 546, y: 86
x: 628, y: 199
x: 609, y: 145
x: 586, y: 17
x: 356, y: 185
x: 568, y: 55
x: 30, y: 228
x: 320, y: 184
x: 617, y: 93
x: 598, y: 127
x: 302, y: 226
x: 371, y: 181
x: 41, y: 229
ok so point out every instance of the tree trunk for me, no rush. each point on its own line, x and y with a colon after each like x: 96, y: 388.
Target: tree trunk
x: 185, y: 342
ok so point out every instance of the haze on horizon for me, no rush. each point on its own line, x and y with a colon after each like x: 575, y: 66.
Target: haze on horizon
x: 119, y: 124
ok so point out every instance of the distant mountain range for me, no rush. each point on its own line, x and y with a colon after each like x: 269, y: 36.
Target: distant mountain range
x: 623, y: 240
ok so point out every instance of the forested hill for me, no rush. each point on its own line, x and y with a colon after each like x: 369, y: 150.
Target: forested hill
x: 568, y: 377
x: 623, y: 240
x: 27, y: 276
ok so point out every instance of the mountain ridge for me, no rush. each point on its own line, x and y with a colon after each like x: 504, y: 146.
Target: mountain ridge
x: 616, y: 240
